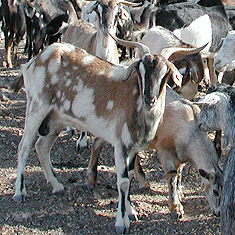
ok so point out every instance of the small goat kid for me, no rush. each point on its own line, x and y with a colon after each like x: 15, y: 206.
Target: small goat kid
x: 65, y: 86
x: 218, y: 111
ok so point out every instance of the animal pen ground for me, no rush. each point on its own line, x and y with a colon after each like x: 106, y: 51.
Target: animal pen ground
x: 79, y: 210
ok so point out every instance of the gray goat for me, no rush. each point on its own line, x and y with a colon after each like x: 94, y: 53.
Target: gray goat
x: 218, y: 114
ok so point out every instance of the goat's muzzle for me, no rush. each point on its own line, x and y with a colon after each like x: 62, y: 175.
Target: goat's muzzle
x: 150, y: 102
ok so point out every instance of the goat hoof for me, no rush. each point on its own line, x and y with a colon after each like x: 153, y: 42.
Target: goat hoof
x: 122, y: 230
x: 176, y: 215
x: 133, y: 217
x: 80, y: 149
x: 90, y: 186
x: 60, y: 192
x: 18, y: 198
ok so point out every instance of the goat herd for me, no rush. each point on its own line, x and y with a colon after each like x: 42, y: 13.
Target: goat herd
x: 113, y: 69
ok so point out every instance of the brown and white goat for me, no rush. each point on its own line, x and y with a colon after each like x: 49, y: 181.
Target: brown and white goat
x: 178, y: 140
x: 65, y: 86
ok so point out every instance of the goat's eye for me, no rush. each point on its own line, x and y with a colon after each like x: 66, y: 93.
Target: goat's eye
x: 216, y: 192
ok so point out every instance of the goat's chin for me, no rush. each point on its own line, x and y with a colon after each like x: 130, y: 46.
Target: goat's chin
x: 216, y: 212
x: 150, y: 106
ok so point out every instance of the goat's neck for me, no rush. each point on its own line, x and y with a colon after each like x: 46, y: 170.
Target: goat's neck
x: 151, y: 118
x: 106, y: 47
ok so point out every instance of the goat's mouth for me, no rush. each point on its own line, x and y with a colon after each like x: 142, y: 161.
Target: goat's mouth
x: 216, y: 212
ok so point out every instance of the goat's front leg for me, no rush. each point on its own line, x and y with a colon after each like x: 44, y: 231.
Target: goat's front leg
x: 125, y: 169
x: 178, y: 184
x: 175, y: 206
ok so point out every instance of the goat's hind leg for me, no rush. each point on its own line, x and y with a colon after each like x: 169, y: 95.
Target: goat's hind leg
x: 32, y: 123
x: 50, y: 130
x: 174, y: 203
x: 92, y: 167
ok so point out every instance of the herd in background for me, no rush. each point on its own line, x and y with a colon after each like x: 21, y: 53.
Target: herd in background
x: 177, y: 42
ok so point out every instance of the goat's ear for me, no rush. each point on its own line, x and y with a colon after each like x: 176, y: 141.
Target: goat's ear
x: 205, y: 174
x: 210, y: 99
x: 176, y: 76
x: 129, y: 70
x: 123, y: 14
x: 92, y: 8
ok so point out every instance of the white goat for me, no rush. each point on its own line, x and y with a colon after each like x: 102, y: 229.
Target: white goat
x: 65, y: 86
x: 190, y: 66
x: 225, y: 59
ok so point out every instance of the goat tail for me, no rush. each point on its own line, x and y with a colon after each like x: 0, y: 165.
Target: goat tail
x: 17, y: 84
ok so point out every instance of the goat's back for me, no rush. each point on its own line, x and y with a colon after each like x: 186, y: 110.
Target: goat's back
x: 80, y: 34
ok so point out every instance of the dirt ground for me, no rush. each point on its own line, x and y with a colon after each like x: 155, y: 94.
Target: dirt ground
x: 81, y: 211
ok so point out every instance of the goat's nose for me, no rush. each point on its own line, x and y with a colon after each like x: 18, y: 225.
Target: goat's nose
x: 150, y: 101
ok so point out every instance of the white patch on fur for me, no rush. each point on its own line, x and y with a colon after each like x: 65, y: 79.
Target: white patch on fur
x: 66, y: 105
x: 53, y: 66
x: 116, y: 72
x: 40, y: 72
x: 75, y: 68
x: 68, y: 82
x: 58, y: 94
x: 101, y: 72
x: 39, y: 77
x: 63, y: 97
x: 54, y: 79
x: 126, y: 136
x: 65, y: 47
x: 88, y: 59
x: 47, y: 53
x: 110, y: 105
x: 198, y: 33
x: 135, y: 90
x: 85, y: 99
x: 139, y: 104
x: 142, y: 72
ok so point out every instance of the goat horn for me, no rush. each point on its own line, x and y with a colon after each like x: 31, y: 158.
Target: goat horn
x: 131, y: 4
x: 30, y: 3
x: 143, y: 48
x: 167, y: 52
